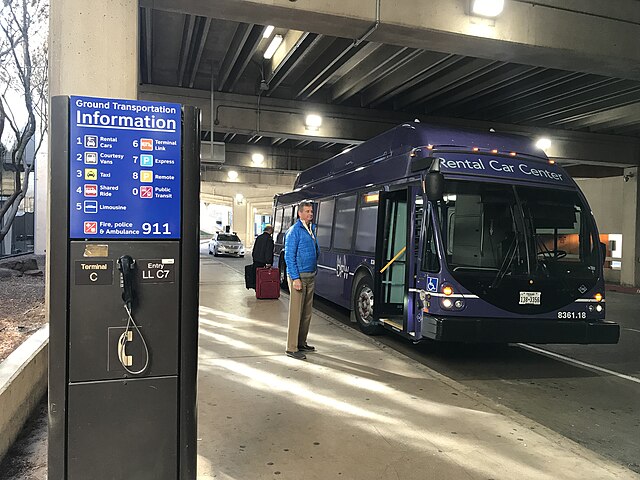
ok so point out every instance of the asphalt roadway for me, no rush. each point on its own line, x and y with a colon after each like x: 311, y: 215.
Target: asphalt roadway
x: 587, y: 393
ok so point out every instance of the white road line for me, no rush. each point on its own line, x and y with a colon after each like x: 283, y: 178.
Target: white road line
x: 632, y: 330
x: 573, y: 361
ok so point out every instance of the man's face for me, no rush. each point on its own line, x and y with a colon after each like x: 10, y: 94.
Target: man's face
x: 306, y: 215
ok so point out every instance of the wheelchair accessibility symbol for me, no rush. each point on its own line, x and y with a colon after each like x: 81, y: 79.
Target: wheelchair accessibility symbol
x: 432, y: 284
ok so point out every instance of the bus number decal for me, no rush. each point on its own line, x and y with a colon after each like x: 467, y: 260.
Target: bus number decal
x: 571, y: 315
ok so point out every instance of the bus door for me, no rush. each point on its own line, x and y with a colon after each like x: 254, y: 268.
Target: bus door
x: 396, y: 241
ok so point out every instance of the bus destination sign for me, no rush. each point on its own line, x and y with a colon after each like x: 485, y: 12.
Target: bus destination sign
x: 505, y: 167
x: 124, y: 168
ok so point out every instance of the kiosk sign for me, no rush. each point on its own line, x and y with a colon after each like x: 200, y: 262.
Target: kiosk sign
x: 124, y: 169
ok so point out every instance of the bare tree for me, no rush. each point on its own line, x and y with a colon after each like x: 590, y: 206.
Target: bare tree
x: 23, y: 94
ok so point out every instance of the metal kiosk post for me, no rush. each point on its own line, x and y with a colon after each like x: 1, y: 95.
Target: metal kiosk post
x: 123, y: 257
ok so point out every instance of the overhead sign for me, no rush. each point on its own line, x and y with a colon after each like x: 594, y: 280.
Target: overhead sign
x: 506, y: 167
x: 124, y: 169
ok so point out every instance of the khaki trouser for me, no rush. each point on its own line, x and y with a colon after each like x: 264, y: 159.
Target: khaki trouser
x: 300, y: 306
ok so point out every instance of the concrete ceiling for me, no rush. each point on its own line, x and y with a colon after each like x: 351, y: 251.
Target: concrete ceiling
x: 570, y: 69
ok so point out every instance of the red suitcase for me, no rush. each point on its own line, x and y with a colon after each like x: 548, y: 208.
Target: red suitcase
x: 267, y: 283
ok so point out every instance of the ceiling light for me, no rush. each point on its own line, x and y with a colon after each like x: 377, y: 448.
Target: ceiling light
x: 268, y: 31
x: 232, y: 174
x: 273, y: 46
x: 487, y: 8
x: 543, y: 143
x: 257, y: 159
x: 313, y: 121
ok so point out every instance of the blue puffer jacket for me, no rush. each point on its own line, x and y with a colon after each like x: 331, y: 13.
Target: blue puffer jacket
x: 300, y: 250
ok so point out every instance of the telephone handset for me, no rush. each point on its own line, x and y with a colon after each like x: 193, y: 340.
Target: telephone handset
x: 127, y: 267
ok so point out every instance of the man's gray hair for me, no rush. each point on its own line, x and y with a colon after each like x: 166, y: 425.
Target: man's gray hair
x: 303, y: 204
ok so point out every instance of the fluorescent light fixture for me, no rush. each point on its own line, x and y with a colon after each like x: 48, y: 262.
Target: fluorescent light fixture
x: 487, y: 8
x: 273, y: 46
x: 313, y: 121
x: 543, y: 143
x: 232, y: 174
x: 257, y: 159
x: 268, y: 31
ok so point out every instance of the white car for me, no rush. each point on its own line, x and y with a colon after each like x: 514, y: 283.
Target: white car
x: 226, y: 244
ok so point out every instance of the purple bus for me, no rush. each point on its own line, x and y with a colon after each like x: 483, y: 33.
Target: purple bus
x: 454, y: 235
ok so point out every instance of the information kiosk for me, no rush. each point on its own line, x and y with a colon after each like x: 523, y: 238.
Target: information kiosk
x: 123, y: 257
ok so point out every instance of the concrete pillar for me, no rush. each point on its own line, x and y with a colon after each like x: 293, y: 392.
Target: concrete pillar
x: 41, y: 187
x: 93, y: 48
x: 240, y: 220
x: 630, y: 274
x: 93, y: 51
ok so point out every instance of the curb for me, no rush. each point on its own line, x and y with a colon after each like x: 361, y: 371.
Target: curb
x: 23, y: 382
x: 611, y: 287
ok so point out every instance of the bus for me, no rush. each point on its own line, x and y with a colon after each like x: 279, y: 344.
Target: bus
x: 453, y: 235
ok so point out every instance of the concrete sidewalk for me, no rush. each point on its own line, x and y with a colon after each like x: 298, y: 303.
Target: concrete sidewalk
x: 353, y: 410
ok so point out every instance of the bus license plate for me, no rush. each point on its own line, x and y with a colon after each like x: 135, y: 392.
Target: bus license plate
x: 529, y: 298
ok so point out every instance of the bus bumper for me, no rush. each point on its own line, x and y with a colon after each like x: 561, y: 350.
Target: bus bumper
x: 498, y: 330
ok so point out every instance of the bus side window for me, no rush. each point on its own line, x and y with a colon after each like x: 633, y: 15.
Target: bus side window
x: 345, y: 218
x: 277, y: 227
x: 325, y: 222
x: 430, y: 260
x: 367, y: 220
x: 287, y: 218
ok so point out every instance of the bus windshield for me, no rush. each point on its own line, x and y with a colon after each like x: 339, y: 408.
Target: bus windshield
x: 518, y: 237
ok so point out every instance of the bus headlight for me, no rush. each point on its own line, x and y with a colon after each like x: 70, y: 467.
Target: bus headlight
x: 459, y: 304
x: 447, y: 303
x: 598, y: 308
x: 591, y: 308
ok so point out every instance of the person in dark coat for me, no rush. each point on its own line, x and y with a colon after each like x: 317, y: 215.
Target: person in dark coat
x: 262, y: 255
x: 263, y: 248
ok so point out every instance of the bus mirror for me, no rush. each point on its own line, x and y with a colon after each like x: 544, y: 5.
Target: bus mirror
x: 433, y: 182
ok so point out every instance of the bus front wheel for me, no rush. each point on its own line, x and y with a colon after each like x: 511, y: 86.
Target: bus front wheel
x: 363, y: 306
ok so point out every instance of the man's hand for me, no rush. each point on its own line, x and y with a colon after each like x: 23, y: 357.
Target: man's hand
x: 297, y: 284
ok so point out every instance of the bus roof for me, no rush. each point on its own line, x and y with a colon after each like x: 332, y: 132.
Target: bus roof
x: 405, y: 137
x: 404, y: 151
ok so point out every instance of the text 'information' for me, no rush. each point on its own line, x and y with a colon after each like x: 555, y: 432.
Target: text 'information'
x: 124, y: 169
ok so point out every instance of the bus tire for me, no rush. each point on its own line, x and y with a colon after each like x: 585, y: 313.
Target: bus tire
x: 282, y: 269
x: 362, y: 307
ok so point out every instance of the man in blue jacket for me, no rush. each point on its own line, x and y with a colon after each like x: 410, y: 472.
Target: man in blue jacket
x: 301, y: 257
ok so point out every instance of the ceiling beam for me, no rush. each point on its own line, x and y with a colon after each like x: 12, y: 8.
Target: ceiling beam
x: 185, y: 49
x: 233, y: 52
x: 204, y: 33
x: 504, y: 78
x: 465, y: 70
x: 579, y: 36
x: 611, y: 118
x: 147, y: 35
x: 326, y: 63
x: 249, y: 48
x: 301, y: 49
x: 372, y: 68
x: 412, y: 70
x: 534, y: 86
x: 351, y: 125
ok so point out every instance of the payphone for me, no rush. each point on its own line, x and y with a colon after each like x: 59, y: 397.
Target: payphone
x: 123, y: 256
